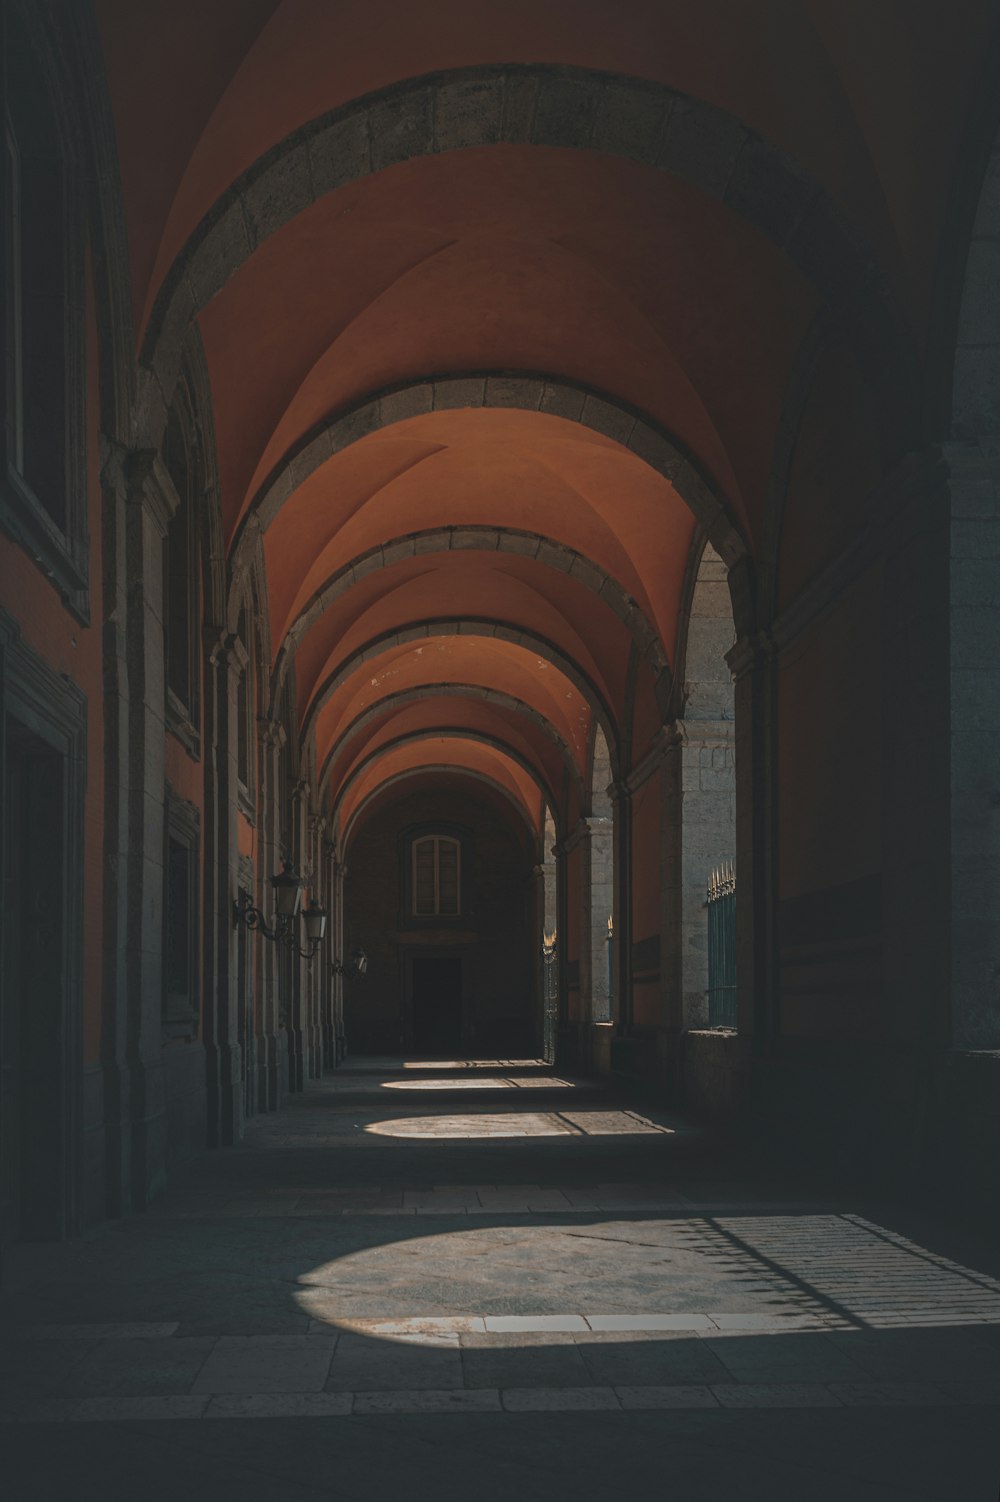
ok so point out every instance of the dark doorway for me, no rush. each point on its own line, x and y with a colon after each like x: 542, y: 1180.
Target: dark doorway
x: 31, y: 1082
x: 436, y: 1004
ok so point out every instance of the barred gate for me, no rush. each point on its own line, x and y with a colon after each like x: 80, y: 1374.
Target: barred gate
x: 550, y: 997
x: 722, y: 947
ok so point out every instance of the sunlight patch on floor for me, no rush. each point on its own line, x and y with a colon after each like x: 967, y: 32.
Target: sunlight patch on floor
x: 519, y: 1124
x: 487, y: 1082
x: 761, y: 1276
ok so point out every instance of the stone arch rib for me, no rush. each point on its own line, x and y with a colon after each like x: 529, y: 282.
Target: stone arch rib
x: 521, y: 390
x: 488, y: 696
x: 494, y: 540
x: 467, y: 626
x: 512, y: 104
x: 464, y: 772
x: 446, y: 733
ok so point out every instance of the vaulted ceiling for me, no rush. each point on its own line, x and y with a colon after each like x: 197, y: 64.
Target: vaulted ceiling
x: 499, y: 307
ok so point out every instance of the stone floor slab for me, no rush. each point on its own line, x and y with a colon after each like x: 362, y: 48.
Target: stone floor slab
x: 119, y: 1410
x: 455, y: 1400
x: 535, y: 1322
x: 246, y: 1365
x: 649, y: 1322
x: 135, y: 1330
x: 280, y: 1405
x: 774, y: 1395
x: 666, y: 1397
x: 140, y: 1367
x: 889, y: 1394
x: 558, y: 1400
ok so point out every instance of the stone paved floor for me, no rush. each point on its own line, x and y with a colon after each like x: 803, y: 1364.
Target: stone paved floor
x: 485, y: 1280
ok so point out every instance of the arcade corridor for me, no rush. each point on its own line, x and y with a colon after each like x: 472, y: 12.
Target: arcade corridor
x: 459, y: 1280
x: 500, y: 560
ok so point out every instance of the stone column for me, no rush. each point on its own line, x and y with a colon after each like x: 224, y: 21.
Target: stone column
x: 225, y: 659
x: 753, y: 665
x: 116, y: 1089
x: 272, y: 1051
x: 562, y: 949
x: 536, y: 919
x: 315, y: 976
x: 917, y: 828
x: 708, y: 837
x: 975, y: 737
x: 599, y: 904
x: 621, y: 798
x: 150, y: 502
x: 298, y: 1029
x: 671, y: 881
x: 337, y: 954
x: 324, y: 959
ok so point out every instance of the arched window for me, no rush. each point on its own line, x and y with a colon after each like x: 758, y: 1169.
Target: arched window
x: 436, y: 877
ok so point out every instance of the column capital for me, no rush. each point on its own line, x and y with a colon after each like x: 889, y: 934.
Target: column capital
x: 705, y: 732
x: 621, y: 792
x: 749, y: 653
x: 148, y: 485
x: 224, y: 648
x: 663, y: 742
x: 271, y: 732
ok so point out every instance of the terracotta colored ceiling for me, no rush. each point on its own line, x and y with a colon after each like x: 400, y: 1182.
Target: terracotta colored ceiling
x: 486, y: 469
x: 469, y: 716
x: 200, y: 92
x: 469, y: 756
x: 479, y: 662
x: 591, y: 269
x: 509, y: 258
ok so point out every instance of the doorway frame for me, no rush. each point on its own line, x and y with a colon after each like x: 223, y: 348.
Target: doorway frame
x: 413, y: 952
x: 54, y: 709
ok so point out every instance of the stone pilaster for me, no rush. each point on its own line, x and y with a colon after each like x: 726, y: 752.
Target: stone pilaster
x: 114, y: 1016
x: 298, y: 1001
x: 337, y: 949
x: 671, y: 879
x: 150, y: 501
x: 975, y: 736
x: 326, y: 978
x: 707, y: 838
x: 272, y: 1052
x: 753, y: 666
x: 621, y: 798
x: 225, y: 658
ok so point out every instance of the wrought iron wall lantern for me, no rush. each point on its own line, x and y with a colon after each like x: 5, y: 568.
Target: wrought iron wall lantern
x: 287, y: 908
x: 358, y: 965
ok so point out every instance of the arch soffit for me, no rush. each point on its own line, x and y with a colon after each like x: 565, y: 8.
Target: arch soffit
x: 523, y: 391
x: 438, y: 733
x: 489, y: 540
x: 489, y: 696
x: 466, y: 626
x: 468, y: 773
x: 570, y: 108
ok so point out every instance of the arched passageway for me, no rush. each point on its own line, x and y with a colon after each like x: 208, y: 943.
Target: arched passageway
x: 581, y: 427
x: 441, y: 894
x: 498, y: 561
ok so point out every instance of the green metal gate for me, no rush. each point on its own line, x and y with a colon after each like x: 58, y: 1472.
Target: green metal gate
x: 722, y: 947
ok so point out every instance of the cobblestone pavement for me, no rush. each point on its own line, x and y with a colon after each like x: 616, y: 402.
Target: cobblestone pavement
x: 490, y: 1280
